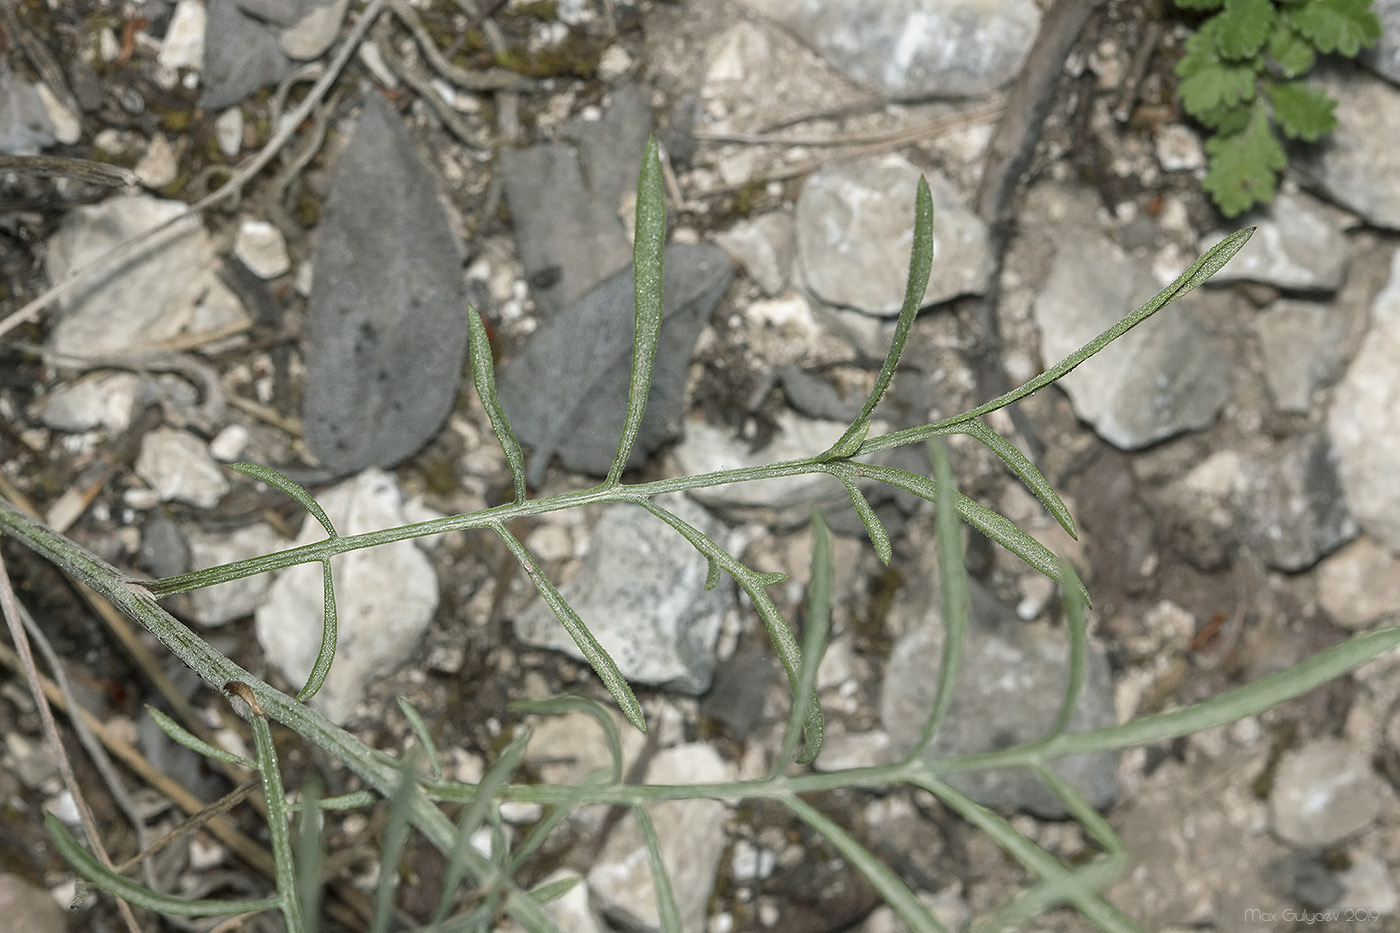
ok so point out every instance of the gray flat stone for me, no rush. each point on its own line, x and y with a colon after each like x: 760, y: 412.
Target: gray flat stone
x: 241, y: 55
x: 1301, y: 343
x: 179, y: 467
x: 1384, y: 57
x: 385, y: 598
x: 566, y: 200
x: 915, y: 48
x: 1364, y: 420
x: 1165, y: 376
x: 1358, y: 164
x: 1298, y: 247
x: 584, y: 356
x: 855, y: 227
x: 170, y: 288
x: 387, y: 317
x: 1009, y: 692
x: 641, y: 591
x: 692, y: 840
x: 1324, y: 792
x: 1292, y: 503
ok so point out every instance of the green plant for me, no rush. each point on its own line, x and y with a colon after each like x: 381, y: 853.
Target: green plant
x: 1241, y: 78
x: 419, y: 803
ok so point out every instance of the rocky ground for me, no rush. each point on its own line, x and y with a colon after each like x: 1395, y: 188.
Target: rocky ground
x: 1229, y: 463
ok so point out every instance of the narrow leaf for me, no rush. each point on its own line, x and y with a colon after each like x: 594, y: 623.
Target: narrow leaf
x: 995, y: 526
x: 778, y: 632
x: 308, y: 855
x: 601, y: 662
x: 952, y: 576
x: 278, y: 828
x: 473, y: 814
x: 277, y: 480
x: 878, y: 536
x: 330, y: 629
x: 553, y: 890
x: 103, y: 878
x: 484, y: 376
x: 894, y: 891
x: 1078, y: 631
x: 420, y: 730
x: 815, y: 632
x: 396, y: 830
x: 667, y: 910
x: 648, y: 240
x: 1202, y: 269
x: 1020, y: 465
x: 920, y: 262
x: 182, y: 736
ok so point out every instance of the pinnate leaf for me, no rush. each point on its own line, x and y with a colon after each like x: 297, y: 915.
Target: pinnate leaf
x: 1338, y: 25
x: 1242, y: 165
x: 1244, y: 26
x: 1209, y: 81
x: 1302, y: 111
x: 1290, y: 51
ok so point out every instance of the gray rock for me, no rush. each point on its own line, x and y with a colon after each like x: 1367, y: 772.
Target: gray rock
x: 641, y: 591
x: 25, y: 127
x: 692, y: 840
x: 1292, y: 503
x: 386, y: 319
x: 566, y: 200
x: 171, y: 287
x: 787, y: 501
x: 1384, y: 57
x: 1369, y: 884
x: 1301, y: 343
x: 217, y: 605
x: 584, y: 356
x: 26, y: 907
x: 765, y: 247
x: 97, y: 400
x: 241, y: 55
x: 1364, y: 420
x: 1297, y: 247
x: 279, y: 12
x: 1009, y: 692
x: 915, y: 48
x: 1302, y: 877
x: 855, y: 224
x: 1323, y: 793
x: 1357, y: 164
x: 1359, y: 585
x: 385, y: 598
x: 311, y: 35
x: 568, y: 748
x: 164, y: 550
x: 574, y: 911
x: 1165, y: 376
x: 179, y: 467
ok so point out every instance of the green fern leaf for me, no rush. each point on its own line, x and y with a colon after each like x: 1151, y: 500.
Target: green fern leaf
x: 1243, y: 166
x: 1301, y: 110
x: 1243, y: 28
x: 1344, y: 26
x: 1289, y: 51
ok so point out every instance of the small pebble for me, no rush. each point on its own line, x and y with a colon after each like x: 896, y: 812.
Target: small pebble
x: 260, y: 246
